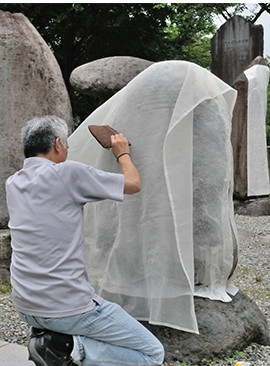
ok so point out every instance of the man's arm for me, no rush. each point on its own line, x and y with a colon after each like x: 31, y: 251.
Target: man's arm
x: 132, y: 178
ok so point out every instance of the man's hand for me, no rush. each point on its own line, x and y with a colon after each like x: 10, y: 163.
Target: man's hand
x: 120, y: 149
x: 119, y: 144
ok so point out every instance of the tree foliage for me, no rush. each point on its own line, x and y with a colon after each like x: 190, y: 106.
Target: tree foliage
x: 80, y: 33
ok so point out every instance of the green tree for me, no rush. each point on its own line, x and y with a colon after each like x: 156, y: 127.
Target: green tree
x: 80, y: 33
x: 191, y: 27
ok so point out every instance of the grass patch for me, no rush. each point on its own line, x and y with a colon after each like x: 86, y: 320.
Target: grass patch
x: 230, y: 360
x: 5, y: 287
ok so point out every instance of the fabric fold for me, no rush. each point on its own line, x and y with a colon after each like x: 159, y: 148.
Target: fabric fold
x: 257, y: 162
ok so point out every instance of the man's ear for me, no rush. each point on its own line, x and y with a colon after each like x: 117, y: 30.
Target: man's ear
x: 57, y: 145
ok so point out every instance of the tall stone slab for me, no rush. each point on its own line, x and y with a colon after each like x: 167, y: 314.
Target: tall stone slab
x: 251, y: 176
x: 234, y: 46
x: 31, y: 85
x: 239, y: 137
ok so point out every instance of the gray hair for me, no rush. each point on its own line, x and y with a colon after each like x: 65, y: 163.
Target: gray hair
x: 39, y: 134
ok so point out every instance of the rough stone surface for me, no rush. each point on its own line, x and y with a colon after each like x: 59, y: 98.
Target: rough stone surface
x: 5, y: 249
x: 234, y: 46
x: 239, y: 137
x: 239, y: 132
x: 224, y: 327
x: 104, y: 77
x: 31, y: 85
x: 4, y: 274
x: 253, y: 207
x: 5, y: 255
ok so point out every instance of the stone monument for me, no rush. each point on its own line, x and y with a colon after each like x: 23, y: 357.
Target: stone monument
x: 234, y: 46
x: 31, y: 85
x: 251, y: 176
x: 167, y: 254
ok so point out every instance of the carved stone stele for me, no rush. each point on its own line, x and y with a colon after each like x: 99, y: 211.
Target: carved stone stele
x: 234, y: 46
x: 239, y: 132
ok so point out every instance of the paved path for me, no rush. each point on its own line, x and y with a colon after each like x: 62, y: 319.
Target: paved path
x: 12, y: 354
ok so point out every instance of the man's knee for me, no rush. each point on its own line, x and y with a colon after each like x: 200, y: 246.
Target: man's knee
x: 158, y: 353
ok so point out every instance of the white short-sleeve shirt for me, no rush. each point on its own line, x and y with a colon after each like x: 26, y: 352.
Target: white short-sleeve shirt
x: 45, y: 202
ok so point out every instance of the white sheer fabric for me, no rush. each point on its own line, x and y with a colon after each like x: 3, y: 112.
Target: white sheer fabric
x: 143, y: 252
x: 257, y: 163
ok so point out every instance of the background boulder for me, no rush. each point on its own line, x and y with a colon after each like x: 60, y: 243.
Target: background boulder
x: 104, y: 77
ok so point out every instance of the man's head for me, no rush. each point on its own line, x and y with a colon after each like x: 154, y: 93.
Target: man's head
x: 45, y: 136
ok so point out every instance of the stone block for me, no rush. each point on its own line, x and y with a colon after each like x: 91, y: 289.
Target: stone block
x: 5, y: 248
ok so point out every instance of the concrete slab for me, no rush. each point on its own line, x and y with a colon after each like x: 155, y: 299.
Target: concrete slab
x: 12, y: 354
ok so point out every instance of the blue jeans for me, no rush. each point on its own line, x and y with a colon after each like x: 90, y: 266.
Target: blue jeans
x: 105, y: 336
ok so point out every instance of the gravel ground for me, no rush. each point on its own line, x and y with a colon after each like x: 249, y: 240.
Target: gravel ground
x: 252, y: 277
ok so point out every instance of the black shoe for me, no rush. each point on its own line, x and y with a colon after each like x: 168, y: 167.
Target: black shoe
x: 69, y: 362
x: 48, y: 348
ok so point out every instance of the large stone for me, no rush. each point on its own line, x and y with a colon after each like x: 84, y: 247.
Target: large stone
x: 31, y: 85
x: 234, y: 46
x: 224, y: 328
x: 104, y: 77
x: 239, y: 136
x: 171, y: 113
x: 5, y: 255
x: 185, y: 205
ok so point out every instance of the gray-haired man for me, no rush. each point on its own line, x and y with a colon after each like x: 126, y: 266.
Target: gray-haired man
x: 51, y: 290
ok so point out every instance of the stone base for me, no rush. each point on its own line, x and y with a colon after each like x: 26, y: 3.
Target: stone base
x: 224, y: 328
x: 259, y: 206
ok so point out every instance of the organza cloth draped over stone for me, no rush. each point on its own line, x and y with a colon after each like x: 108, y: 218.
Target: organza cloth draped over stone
x: 148, y: 252
x: 257, y: 163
